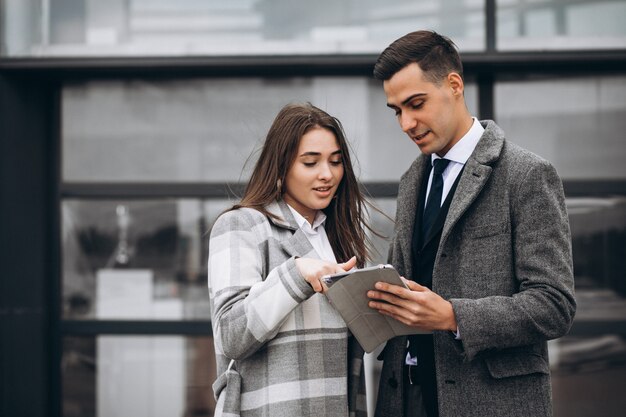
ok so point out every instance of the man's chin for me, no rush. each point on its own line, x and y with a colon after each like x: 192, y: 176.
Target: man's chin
x: 425, y: 149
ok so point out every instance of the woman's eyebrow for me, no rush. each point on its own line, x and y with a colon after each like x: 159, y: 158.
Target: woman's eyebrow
x: 311, y: 153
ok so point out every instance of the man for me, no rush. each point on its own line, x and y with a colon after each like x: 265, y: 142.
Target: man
x: 483, y: 240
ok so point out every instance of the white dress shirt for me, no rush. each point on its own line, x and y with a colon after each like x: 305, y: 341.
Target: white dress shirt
x: 458, y: 156
x: 316, y: 234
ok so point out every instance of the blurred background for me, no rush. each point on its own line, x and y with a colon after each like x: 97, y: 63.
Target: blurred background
x: 127, y: 126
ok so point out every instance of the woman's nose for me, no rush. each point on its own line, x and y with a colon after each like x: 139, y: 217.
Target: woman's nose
x: 325, y: 171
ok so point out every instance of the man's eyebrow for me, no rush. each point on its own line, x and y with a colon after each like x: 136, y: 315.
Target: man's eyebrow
x: 311, y: 153
x: 407, y: 100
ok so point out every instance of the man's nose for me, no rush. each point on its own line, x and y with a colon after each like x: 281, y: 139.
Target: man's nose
x: 407, y: 122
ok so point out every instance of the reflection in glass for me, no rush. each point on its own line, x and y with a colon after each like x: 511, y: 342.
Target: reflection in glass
x: 242, y: 27
x: 382, y: 221
x: 123, y: 252
x: 589, y: 376
x: 164, y: 276
x: 206, y: 129
x: 575, y: 123
x: 599, y: 245
x: 595, y: 365
x: 589, y: 372
x: 560, y: 24
x: 140, y: 376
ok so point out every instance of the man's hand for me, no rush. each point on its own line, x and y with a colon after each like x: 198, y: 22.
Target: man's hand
x: 417, y: 306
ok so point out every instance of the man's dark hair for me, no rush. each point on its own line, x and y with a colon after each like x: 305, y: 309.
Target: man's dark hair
x: 435, y: 54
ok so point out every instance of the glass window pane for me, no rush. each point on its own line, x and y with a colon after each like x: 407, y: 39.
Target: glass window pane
x: 382, y: 221
x: 139, y: 259
x: 139, y: 376
x: 594, y: 364
x: 576, y: 123
x: 578, y: 361
x: 589, y: 375
x: 599, y: 246
x: 146, y: 259
x: 205, y: 129
x: 560, y: 24
x: 240, y: 27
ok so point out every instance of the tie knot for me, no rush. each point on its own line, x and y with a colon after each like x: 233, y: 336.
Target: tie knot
x: 439, y: 165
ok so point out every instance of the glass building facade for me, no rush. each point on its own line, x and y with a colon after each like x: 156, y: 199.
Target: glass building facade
x: 142, y: 120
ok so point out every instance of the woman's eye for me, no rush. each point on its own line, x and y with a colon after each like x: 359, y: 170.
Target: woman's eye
x: 309, y: 164
x: 338, y: 162
x: 417, y: 105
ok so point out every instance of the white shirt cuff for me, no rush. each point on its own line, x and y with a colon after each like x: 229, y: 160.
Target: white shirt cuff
x: 457, y: 334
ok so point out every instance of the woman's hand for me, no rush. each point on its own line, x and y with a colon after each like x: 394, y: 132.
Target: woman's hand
x: 314, y: 269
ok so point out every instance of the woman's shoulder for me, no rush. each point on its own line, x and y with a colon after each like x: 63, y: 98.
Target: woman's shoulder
x: 243, y: 218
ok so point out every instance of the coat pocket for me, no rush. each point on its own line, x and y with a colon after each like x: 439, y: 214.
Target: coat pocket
x: 227, y: 391
x: 516, y: 364
x: 486, y: 230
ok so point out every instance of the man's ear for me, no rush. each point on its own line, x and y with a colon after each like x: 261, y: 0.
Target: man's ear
x: 455, y: 82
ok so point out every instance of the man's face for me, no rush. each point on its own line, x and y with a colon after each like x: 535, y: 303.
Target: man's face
x: 428, y: 113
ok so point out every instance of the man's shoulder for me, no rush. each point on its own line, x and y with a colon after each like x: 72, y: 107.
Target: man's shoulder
x: 415, y: 167
x: 520, y: 156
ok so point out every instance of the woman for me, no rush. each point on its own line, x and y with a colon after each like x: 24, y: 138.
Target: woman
x: 281, y: 349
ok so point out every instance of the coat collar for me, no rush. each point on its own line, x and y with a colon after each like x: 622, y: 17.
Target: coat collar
x: 476, y: 174
x: 298, y: 244
x: 282, y: 215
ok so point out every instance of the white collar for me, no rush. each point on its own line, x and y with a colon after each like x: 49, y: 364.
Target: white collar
x: 462, y: 150
x: 320, y: 220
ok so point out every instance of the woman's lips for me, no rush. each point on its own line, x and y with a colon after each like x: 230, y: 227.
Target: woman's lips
x: 323, y: 191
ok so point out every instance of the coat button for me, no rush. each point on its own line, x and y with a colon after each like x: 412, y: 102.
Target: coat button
x: 393, y: 383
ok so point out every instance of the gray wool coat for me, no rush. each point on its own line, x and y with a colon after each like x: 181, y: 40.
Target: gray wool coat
x: 504, y: 262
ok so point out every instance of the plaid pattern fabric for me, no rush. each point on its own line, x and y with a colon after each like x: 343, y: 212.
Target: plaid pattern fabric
x: 292, y: 352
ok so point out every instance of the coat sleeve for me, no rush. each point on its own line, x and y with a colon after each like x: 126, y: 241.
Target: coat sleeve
x: 544, y: 305
x: 248, y: 306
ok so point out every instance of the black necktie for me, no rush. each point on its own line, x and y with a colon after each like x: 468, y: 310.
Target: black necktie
x: 434, y: 197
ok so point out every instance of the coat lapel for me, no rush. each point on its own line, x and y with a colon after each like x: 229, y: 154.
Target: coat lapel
x: 475, y: 175
x: 407, y: 205
x: 297, y: 244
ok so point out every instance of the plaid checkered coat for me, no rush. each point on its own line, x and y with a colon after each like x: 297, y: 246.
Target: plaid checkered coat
x: 281, y: 349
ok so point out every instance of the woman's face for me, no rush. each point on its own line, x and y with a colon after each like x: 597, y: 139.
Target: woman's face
x: 315, y: 174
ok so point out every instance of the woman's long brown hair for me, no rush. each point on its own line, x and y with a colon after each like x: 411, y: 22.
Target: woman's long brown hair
x: 345, y: 222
